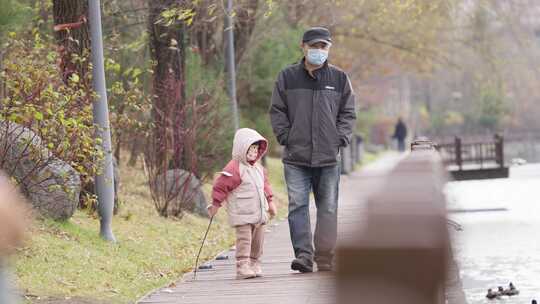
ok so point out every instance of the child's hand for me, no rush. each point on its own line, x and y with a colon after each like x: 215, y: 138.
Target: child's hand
x: 272, y: 210
x: 212, y: 210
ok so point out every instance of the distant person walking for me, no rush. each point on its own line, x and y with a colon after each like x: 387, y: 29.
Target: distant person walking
x: 400, y: 133
x: 313, y: 115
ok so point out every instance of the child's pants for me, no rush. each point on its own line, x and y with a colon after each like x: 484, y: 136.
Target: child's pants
x: 249, y: 242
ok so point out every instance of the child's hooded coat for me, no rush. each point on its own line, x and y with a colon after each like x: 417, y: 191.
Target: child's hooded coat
x: 243, y: 184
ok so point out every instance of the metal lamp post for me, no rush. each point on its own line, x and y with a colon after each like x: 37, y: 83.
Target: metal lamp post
x: 105, y: 180
x: 229, y: 59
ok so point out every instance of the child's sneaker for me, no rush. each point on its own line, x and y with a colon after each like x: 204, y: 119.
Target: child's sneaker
x: 256, y: 267
x: 244, y: 271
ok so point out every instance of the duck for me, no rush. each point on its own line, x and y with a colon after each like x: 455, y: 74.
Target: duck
x: 492, y: 294
x: 511, y: 291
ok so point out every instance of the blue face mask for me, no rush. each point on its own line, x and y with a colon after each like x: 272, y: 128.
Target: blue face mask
x: 317, y: 56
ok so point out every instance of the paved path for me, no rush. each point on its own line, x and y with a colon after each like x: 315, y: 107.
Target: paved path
x: 280, y: 284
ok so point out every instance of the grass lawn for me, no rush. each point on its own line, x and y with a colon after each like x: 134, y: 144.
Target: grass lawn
x: 69, y: 260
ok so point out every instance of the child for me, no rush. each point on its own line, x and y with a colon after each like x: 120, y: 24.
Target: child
x: 243, y: 184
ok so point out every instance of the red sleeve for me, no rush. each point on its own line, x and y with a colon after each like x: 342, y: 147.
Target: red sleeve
x: 267, y: 188
x: 226, y: 182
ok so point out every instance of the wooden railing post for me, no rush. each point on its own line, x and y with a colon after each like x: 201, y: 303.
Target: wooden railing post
x: 499, y: 150
x: 458, y: 152
x: 400, y: 254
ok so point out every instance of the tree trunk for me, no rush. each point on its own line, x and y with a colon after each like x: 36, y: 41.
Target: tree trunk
x: 2, y: 86
x: 167, y: 48
x: 137, y: 143
x: 294, y: 11
x: 71, y: 32
x: 244, y: 26
x: 203, y: 31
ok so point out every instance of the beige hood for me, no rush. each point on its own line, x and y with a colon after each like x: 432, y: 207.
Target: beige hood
x: 244, y: 138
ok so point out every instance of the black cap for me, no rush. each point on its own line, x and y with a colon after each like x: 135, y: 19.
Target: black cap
x: 317, y: 34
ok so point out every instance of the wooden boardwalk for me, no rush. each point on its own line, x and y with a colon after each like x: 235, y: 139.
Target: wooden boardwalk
x: 280, y: 284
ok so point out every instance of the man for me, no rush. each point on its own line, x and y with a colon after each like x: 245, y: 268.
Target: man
x: 312, y: 116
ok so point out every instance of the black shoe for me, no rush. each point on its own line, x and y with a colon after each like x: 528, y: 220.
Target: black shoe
x: 302, y: 264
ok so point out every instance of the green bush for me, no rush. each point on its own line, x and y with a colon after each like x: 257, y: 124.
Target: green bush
x: 37, y: 98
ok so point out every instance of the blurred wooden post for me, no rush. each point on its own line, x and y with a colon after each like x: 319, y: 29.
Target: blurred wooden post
x: 346, y: 160
x: 13, y: 221
x: 458, y: 152
x: 400, y: 255
x: 359, y: 148
x: 499, y: 150
x: 354, y: 150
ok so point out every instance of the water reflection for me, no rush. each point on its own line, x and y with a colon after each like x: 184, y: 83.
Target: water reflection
x: 500, y: 246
